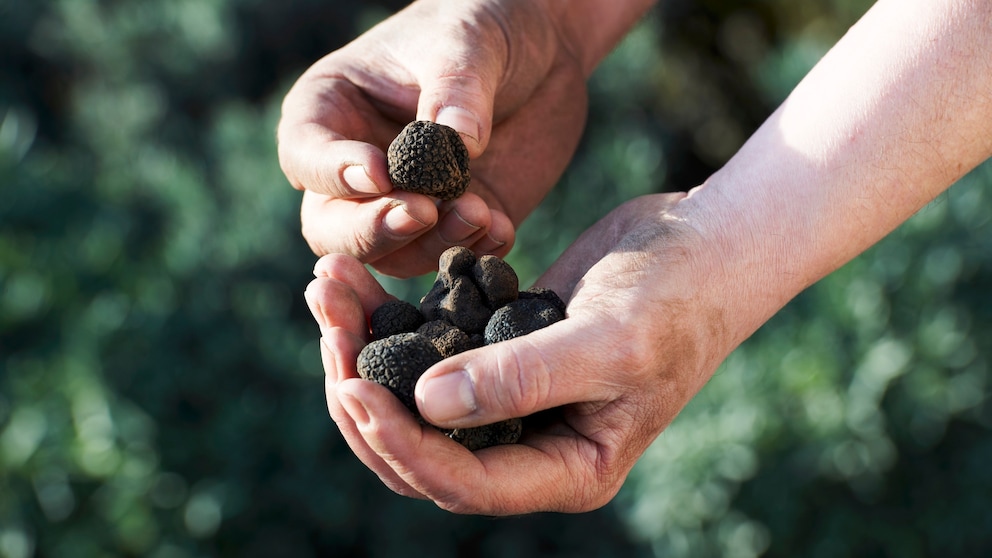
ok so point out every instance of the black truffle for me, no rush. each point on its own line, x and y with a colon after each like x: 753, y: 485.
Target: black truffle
x: 454, y: 297
x: 498, y: 433
x: 467, y: 290
x: 520, y: 317
x: 496, y: 280
x: 461, y: 306
x: 473, y: 302
x: 397, y: 362
x: 395, y: 316
x: 544, y: 293
x: 455, y: 262
x: 448, y: 339
x: 430, y: 159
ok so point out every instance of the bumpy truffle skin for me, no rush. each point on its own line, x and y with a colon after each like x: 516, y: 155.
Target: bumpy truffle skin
x: 473, y: 302
x: 480, y: 437
x: 393, y: 317
x: 429, y: 158
x: 521, y: 317
x: 545, y: 294
x: 397, y: 362
x: 496, y: 280
x: 448, y: 339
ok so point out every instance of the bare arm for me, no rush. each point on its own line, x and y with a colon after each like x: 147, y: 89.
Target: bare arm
x: 666, y: 286
x: 894, y: 114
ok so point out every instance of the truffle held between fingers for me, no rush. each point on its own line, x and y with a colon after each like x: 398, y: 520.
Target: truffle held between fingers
x: 430, y: 159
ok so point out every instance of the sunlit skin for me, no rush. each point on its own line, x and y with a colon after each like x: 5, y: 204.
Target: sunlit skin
x: 664, y: 287
x: 509, y: 76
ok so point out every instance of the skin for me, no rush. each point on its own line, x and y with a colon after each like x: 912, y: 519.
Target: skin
x: 489, y: 70
x: 664, y: 287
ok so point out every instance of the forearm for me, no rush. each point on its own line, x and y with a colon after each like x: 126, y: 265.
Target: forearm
x: 893, y: 115
x: 591, y: 28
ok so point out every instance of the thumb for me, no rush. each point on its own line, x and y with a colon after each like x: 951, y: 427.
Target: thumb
x: 554, y: 366
x: 462, y: 99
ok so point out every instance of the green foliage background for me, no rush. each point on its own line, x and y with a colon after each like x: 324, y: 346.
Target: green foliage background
x: 160, y: 389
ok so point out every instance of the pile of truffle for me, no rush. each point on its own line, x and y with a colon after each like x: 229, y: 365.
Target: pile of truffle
x: 473, y: 302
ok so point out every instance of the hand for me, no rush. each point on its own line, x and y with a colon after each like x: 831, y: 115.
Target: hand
x: 640, y: 339
x: 497, y: 71
x: 663, y: 288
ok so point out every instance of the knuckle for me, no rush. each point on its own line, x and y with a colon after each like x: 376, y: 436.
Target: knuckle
x: 361, y: 244
x: 454, y: 504
x: 461, y: 501
x: 633, y: 353
x: 524, y: 381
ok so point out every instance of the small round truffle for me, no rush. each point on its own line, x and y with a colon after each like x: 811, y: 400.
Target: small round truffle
x: 429, y: 158
x: 545, y: 294
x: 397, y: 362
x: 479, y: 437
x: 521, y: 317
x: 395, y: 316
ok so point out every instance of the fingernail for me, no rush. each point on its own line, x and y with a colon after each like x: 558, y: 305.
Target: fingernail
x: 448, y: 397
x: 399, y: 222
x: 455, y: 229
x: 359, y: 180
x: 355, y: 409
x: 463, y: 121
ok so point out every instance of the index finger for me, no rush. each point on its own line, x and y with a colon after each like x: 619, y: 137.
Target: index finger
x: 317, y: 159
x: 330, y: 138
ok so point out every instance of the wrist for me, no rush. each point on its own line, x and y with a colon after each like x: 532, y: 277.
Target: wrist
x: 886, y: 121
x: 748, y: 272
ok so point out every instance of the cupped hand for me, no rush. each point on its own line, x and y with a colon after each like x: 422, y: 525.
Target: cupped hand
x: 495, y: 70
x: 641, y: 338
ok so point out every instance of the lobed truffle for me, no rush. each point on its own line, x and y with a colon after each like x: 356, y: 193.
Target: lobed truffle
x: 429, y: 158
x: 455, y: 262
x: 496, y: 281
x: 459, y: 304
x: 467, y: 290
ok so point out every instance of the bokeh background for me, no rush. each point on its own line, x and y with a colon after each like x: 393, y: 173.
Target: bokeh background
x: 160, y: 389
